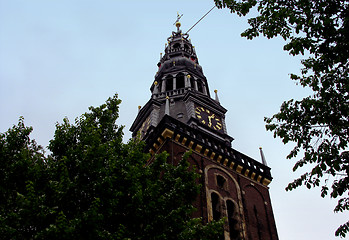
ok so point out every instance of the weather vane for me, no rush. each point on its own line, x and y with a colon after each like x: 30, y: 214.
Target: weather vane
x: 178, y: 17
x: 178, y: 24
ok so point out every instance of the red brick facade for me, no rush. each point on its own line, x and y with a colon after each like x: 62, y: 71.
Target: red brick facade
x: 245, y: 203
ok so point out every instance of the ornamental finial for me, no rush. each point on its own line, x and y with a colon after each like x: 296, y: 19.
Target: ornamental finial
x: 167, y: 106
x: 216, y: 93
x: 263, y: 157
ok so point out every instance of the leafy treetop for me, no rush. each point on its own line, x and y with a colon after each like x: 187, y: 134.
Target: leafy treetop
x: 93, y: 186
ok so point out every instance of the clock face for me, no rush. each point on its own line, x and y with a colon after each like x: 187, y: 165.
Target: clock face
x: 144, y: 128
x: 208, y: 118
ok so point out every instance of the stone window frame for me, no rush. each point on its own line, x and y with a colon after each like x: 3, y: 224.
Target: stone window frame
x: 225, y: 183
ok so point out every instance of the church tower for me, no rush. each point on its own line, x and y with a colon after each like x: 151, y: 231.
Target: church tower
x: 181, y: 115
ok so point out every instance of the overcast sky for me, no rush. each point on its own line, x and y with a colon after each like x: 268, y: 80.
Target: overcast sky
x: 59, y: 57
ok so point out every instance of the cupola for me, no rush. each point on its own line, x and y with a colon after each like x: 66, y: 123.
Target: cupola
x: 179, y: 70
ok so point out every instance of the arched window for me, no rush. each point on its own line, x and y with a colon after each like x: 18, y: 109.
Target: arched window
x: 216, y: 206
x: 200, y: 88
x: 180, y: 81
x: 192, y: 83
x: 160, y: 86
x: 259, y: 225
x: 177, y: 45
x: 221, y: 182
x: 233, y: 221
x: 169, y: 83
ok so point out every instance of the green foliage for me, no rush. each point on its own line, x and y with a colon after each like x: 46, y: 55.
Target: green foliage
x: 22, y: 188
x: 93, y: 186
x: 318, y: 124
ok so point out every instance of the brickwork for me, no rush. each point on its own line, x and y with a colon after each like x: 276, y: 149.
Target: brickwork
x: 251, y: 202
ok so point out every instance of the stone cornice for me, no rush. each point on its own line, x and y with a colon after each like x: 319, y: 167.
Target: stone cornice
x: 209, y: 147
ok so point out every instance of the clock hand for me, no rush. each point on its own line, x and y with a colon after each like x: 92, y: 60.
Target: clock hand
x: 209, y: 120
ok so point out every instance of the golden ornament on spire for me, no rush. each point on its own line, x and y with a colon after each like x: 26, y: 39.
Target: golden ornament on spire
x: 178, y: 24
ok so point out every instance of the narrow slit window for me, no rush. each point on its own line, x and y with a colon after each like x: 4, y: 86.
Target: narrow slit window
x: 232, y: 220
x: 169, y: 83
x: 200, y: 88
x: 160, y: 86
x: 192, y: 83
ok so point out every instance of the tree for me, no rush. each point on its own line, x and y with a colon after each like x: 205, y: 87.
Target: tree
x: 22, y: 184
x: 93, y: 186
x: 317, y: 124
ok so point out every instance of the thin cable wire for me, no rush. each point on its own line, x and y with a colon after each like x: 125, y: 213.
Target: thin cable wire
x: 200, y: 20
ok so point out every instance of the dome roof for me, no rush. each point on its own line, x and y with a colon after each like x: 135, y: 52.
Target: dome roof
x: 179, y: 55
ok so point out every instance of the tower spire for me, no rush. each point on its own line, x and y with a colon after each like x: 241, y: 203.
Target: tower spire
x: 181, y: 115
